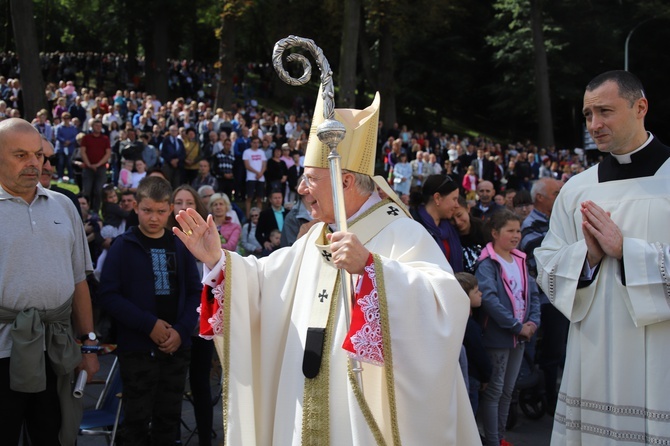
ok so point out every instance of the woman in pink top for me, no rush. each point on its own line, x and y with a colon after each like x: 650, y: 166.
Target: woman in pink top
x: 219, y: 205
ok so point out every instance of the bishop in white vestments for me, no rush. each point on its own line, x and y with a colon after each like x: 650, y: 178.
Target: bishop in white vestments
x: 279, y: 326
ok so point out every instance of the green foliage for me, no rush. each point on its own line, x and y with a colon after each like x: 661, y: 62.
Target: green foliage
x: 455, y: 61
x: 512, y: 41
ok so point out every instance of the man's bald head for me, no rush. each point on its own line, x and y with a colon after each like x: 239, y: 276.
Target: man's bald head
x: 21, y: 158
x: 13, y: 126
x: 485, y: 191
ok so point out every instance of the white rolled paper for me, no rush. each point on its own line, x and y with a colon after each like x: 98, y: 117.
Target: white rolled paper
x: 78, y: 391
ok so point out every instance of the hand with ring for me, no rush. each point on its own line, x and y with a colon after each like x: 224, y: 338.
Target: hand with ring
x: 200, y: 237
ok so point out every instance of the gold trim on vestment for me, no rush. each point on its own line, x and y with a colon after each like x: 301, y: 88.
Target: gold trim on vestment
x: 316, y: 402
x: 388, y: 356
x: 365, y: 233
x: 225, y: 360
x: 388, y: 366
x: 370, y: 210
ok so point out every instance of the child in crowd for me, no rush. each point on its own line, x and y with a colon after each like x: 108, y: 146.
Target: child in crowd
x: 114, y: 224
x: 126, y: 174
x: 249, y: 244
x: 112, y: 214
x: 469, y: 184
x: 139, y: 174
x: 151, y: 287
x: 479, y: 364
x: 511, y: 312
x: 275, y: 242
x: 92, y: 226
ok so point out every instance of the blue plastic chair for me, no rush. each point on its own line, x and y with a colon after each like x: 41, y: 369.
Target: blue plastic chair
x: 105, y: 418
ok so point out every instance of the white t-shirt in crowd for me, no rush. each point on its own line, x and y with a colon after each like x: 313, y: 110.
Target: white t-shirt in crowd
x: 256, y: 159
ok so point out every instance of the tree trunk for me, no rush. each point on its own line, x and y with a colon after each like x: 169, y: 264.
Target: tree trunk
x: 224, y: 89
x: 25, y: 37
x: 131, y: 42
x: 9, y: 28
x: 545, y: 121
x: 148, y: 58
x: 366, y: 58
x: 348, y: 54
x: 160, y: 40
x: 387, y: 114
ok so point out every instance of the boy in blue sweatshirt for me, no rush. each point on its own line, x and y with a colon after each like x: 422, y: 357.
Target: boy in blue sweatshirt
x: 150, y: 286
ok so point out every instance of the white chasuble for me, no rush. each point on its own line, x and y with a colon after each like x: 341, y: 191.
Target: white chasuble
x: 417, y: 397
x: 616, y: 383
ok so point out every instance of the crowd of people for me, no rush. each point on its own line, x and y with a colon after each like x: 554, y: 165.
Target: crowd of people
x: 190, y: 79
x: 248, y: 181
x: 244, y: 168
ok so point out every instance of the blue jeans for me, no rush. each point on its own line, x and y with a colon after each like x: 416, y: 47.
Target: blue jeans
x: 495, y: 400
x: 65, y: 160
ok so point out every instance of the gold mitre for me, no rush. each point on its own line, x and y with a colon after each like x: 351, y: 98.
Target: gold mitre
x: 359, y: 146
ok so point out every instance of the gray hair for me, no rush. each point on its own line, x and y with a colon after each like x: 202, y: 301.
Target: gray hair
x: 364, y: 183
x: 202, y: 190
x: 539, y: 188
x: 216, y: 197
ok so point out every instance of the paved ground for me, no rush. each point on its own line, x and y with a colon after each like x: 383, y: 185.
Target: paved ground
x: 525, y: 433
x: 188, y: 419
x: 531, y: 432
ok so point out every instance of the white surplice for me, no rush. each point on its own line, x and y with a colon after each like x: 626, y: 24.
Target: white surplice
x: 616, y: 383
x: 262, y: 347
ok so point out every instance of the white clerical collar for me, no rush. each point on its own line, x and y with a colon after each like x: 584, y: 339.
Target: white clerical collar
x: 625, y: 158
x: 373, y: 199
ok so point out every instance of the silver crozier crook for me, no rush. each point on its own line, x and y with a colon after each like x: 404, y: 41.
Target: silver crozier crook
x: 331, y: 132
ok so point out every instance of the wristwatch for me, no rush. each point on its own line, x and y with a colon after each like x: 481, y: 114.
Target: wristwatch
x: 88, y: 337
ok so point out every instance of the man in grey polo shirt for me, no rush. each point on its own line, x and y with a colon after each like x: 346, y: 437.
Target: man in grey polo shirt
x: 43, y: 292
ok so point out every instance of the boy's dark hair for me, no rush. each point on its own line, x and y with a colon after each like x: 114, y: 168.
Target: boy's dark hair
x: 155, y: 169
x: 467, y: 281
x: 154, y: 188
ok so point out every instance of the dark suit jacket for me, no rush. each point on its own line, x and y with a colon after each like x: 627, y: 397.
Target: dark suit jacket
x: 487, y: 169
x: 294, y: 174
x: 266, y: 223
x: 170, y: 151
